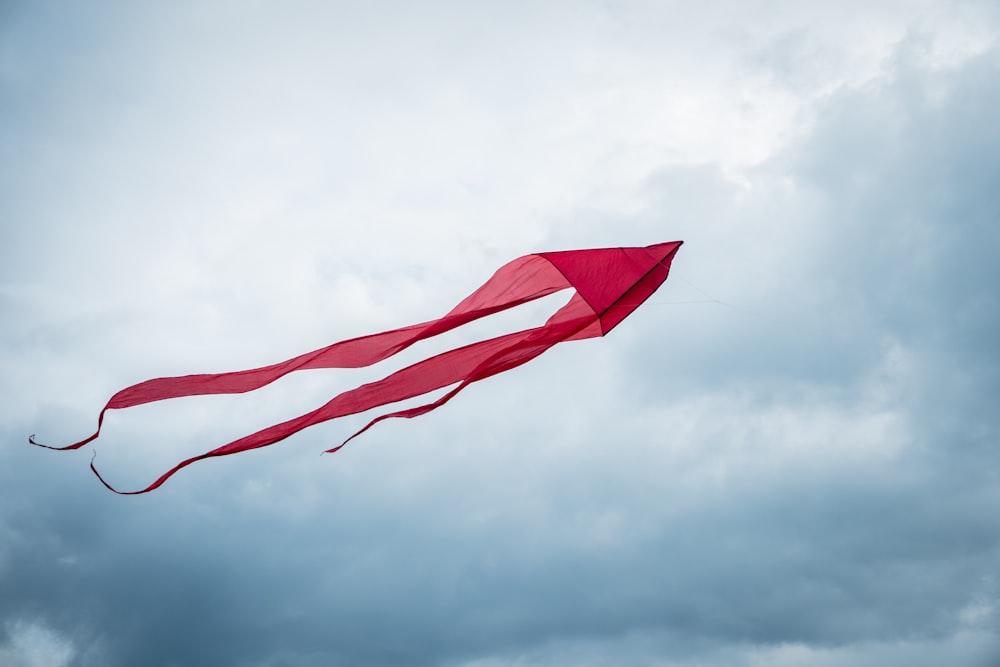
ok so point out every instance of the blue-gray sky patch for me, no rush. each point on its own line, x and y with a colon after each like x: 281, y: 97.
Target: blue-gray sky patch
x: 787, y: 457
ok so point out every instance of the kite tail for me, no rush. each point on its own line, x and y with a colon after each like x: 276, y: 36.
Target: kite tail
x: 516, y: 283
x: 513, y: 356
x: 465, y: 365
x: 75, y: 445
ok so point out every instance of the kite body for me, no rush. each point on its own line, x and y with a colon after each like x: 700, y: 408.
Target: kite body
x: 609, y: 284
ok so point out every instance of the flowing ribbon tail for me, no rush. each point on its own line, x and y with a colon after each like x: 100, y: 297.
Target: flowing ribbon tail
x: 75, y: 445
x: 517, y: 354
x: 518, y: 282
x: 466, y: 364
x: 155, y: 485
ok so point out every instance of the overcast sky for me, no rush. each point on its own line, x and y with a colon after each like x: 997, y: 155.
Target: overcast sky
x: 790, y: 456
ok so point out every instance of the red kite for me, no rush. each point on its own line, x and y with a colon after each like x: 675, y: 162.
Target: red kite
x: 609, y: 284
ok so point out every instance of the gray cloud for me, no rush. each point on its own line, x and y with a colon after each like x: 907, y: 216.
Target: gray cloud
x: 806, y: 476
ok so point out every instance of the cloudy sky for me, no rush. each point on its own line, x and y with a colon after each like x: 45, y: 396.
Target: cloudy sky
x: 790, y: 456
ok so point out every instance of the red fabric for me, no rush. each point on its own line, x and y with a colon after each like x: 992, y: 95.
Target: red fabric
x: 610, y: 283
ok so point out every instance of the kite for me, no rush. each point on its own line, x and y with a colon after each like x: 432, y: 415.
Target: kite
x: 608, y: 284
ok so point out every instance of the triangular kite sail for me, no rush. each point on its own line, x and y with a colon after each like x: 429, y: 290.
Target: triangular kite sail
x: 609, y: 284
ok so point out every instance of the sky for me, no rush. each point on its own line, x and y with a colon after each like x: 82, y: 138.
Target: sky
x: 789, y: 456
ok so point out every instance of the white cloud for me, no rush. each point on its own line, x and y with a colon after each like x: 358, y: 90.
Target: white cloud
x: 803, y: 476
x: 34, y: 645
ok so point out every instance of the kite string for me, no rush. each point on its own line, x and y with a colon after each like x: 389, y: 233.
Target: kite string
x: 676, y: 303
x: 711, y: 299
x: 708, y: 298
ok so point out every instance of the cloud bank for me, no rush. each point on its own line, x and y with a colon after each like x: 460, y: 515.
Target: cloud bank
x: 788, y: 457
